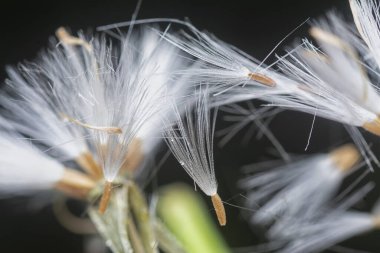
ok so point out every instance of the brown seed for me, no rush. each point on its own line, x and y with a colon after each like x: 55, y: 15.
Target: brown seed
x: 219, y: 209
x: 262, y: 79
x: 373, y: 126
x: 105, y: 197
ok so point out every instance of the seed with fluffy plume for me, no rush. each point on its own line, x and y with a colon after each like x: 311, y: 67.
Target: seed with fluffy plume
x: 191, y: 142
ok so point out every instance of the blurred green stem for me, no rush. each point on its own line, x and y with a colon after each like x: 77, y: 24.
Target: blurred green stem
x: 187, y: 217
x: 166, y: 240
x: 139, y: 208
x: 134, y: 238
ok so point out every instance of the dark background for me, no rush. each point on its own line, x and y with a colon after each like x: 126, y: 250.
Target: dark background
x: 253, y: 26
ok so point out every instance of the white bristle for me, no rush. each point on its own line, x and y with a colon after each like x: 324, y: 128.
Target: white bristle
x: 224, y: 67
x: 95, y: 95
x: 316, y: 94
x: 345, y: 71
x: 33, y: 109
x: 191, y: 142
x: 163, y: 59
x: 331, y: 83
x: 259, y: 118
x: 125, y: 103
x: 367, y: 20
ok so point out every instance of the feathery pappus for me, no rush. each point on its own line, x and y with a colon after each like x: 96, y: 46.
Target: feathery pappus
x: 256, y: 118
x: 298, y: 187
x: 32, y: 109
x: 225, y: 68
x: 331, y: 82
x: 191, y: 141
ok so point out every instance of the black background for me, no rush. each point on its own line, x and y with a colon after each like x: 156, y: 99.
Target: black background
x: 253, y: 26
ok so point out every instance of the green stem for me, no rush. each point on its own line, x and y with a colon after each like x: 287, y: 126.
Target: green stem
x: 134, y: 237
x: 139, y: 208
x: 187, y: 217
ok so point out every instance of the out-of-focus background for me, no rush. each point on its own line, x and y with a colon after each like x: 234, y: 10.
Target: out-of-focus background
x: 254, y: 26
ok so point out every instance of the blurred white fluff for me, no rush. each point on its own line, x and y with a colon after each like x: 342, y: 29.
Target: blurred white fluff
x: 300, y: 188
x: 191, y: 142
x: 23, y: 168
x: 328, y: 231
x: 330, y: 226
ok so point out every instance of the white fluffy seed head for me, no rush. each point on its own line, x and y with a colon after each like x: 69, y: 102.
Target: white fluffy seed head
x: 126, y: 87
x: 191, y: 142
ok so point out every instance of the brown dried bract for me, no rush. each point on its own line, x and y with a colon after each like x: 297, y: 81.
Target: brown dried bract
x: 75, y: 183
x: 87, y: 162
